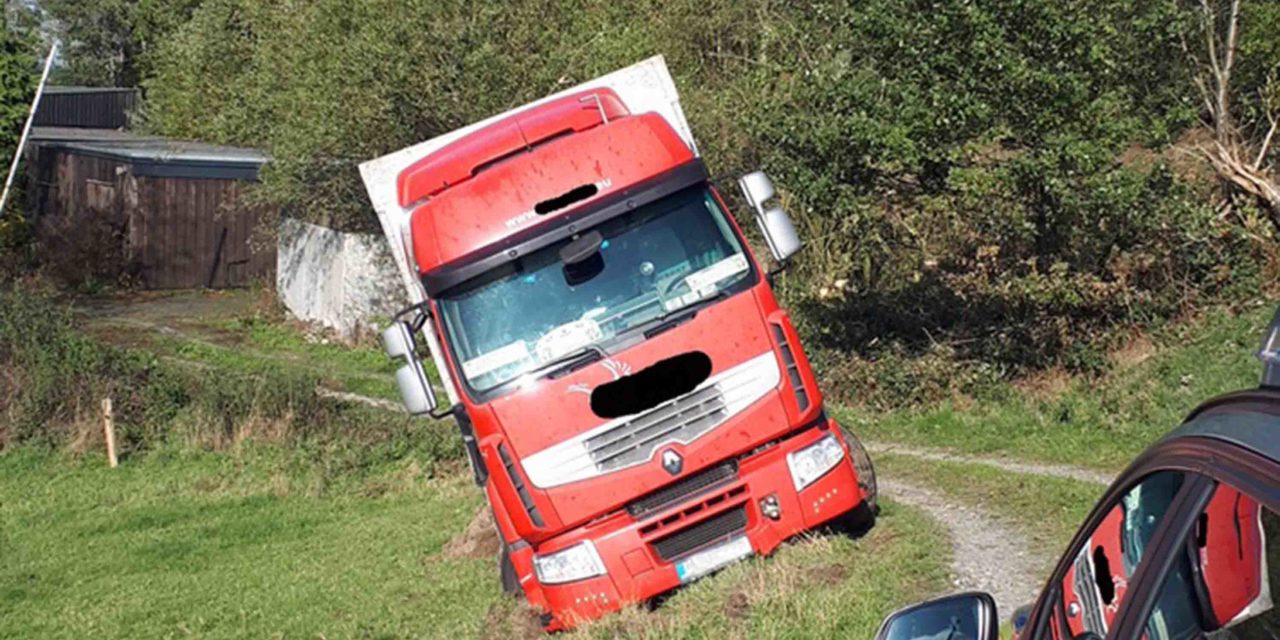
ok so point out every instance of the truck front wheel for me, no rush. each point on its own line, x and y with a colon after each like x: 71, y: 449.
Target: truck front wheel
x: 861, y: 518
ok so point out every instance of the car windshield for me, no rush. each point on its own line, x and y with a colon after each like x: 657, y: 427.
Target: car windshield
x: 524, y: 315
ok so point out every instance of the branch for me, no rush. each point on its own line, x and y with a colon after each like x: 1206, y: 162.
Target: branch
x: 1266, y: 142
x: 1197, y: 76
x: 1224, y: 95
x: 1210, y: 23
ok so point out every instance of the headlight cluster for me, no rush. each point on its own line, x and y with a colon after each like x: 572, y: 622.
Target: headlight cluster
x: 578, y: 562
x: 810, y: 463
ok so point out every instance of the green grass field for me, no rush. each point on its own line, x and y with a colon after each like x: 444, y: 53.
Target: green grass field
x: 325, y: 539
x: 240, y: 544
x: 1101, y: 422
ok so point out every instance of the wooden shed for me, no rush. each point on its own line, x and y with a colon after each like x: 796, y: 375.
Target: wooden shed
x: 92, y: 107
x: 175, y: 208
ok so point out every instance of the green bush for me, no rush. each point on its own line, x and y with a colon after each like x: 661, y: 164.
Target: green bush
x: 994, y: 178
x: 52, y: 380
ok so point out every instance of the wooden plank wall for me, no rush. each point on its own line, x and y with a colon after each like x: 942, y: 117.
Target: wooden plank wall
x: 178, y: 224
x: 173, y: 226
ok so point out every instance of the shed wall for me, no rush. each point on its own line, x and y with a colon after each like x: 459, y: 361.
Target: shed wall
x: 168, y: 233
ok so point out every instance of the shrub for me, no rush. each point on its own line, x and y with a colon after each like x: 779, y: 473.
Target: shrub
x: 958, y: 169
x: 52, y: 379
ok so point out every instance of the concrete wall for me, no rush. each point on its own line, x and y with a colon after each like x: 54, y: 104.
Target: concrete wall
x: 340, y: 280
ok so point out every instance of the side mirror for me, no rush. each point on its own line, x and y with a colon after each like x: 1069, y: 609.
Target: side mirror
x: 783, y: 240
x: 758, y: 188
x: 965, y: 616
x: 779, y: 232
x: 415, y: 389
x: 1269, y: 354
x: 397, y: 340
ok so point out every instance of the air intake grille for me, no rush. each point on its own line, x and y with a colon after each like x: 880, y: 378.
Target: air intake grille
x: 793, y: 370
x: 677, y: 491
x: 683, y: 419
x: 701, y: 534
x: 521, y: 490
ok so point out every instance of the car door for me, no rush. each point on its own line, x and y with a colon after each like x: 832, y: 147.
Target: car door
x: 1222, y: 575
x: 1094, y: 578
x: 1200, y: 564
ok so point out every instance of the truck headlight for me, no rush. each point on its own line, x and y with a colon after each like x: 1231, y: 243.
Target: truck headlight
x: 578, y: 562
x: 810, y: 463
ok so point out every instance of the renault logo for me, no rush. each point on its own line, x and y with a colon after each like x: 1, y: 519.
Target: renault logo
x: 672, y: 462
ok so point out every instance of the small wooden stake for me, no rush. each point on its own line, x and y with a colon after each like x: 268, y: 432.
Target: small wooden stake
x: 109, y: 429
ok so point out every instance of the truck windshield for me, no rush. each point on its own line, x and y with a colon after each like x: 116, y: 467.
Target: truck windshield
x: 664, y: 256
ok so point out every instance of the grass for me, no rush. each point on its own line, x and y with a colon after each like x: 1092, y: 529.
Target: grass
x: 240, y: 544
x: 1102, y: 422
x: 316, y: 535
x: 1049, y: 510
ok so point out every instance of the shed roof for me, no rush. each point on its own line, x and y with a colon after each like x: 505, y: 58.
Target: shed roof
x: 70, y: 89
x: 156, y: 156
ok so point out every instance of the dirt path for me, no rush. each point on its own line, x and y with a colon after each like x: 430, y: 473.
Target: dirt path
x: 988, y: 555
x: 1006, y: 464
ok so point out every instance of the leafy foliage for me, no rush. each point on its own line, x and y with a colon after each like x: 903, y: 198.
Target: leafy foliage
x: 109, y: 42
x: 53, y: 377
x: 989, y: 181
x: 18, y: 78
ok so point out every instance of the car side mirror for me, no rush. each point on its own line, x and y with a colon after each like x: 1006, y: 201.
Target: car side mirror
x: 964, y: 616
x: 779, y: 232
x: 415, y: 389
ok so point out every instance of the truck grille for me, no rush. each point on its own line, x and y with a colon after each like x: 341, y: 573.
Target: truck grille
x: 632, y: 440
x: 682, y: 419
x: 700, y: 535
x: 677, y: 491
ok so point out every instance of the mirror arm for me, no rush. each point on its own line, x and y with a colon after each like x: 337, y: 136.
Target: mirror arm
x: 446, y: 413
x: 779, y: 267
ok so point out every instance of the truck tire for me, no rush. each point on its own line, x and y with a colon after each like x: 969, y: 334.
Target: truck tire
x: 861, y: 518
x: 507, y: 573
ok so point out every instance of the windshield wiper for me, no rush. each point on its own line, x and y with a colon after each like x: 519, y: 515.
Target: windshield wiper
x: 676, y: 316
x: 569, y: 362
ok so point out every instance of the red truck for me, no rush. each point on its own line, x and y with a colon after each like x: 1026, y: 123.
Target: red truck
x: 634, y: 402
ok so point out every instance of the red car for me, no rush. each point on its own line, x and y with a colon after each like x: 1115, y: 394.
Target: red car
x: 1185, y: 543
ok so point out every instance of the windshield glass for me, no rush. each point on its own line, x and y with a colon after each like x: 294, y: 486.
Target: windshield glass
x: 658, y: 259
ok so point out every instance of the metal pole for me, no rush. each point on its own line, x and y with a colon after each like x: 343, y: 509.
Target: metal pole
x: 26, y: 129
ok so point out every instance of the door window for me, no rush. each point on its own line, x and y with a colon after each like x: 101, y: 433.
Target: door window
x: 1094, y: 586
x: 1224, y: 579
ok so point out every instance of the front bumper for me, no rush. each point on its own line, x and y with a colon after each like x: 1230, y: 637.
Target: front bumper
x: 643, y: 554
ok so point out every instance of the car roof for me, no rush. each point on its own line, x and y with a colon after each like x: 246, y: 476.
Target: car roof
x: 1249, y: 419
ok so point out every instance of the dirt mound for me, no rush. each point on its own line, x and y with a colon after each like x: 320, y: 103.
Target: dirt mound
x: 478, y: 540
x: 512, y: 620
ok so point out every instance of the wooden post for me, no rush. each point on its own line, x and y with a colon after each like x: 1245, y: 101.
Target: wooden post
x: 109, y: 430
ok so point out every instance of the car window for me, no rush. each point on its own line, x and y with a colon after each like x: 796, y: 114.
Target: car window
x: 1094, y: 586
x: 1222, y: 584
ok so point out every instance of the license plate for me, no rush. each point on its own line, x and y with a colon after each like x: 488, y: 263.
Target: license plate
x: 708, y: 560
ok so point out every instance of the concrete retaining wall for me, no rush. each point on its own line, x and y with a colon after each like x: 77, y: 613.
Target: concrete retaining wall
x: 340, y: 280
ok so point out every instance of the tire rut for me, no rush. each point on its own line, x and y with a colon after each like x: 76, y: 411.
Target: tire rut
x: 1004, y: 464
x: 987, y: 554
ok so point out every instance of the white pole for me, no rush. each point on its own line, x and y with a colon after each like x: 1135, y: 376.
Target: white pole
x: 26, y: 129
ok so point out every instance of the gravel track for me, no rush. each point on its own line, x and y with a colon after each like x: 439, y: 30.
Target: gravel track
x: 1006, y: 464
x: 988, y: 555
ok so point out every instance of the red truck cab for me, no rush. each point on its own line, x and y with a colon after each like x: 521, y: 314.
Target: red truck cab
x: 635, y: 404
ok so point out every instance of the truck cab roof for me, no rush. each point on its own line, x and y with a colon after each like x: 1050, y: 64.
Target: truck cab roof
x: 528, y: 170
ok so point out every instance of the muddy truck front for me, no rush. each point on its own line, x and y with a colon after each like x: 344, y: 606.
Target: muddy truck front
x: 634, y: 402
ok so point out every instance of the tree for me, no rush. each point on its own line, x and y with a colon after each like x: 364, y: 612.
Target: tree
x: 110, y: 42
x: 1243, y: 135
